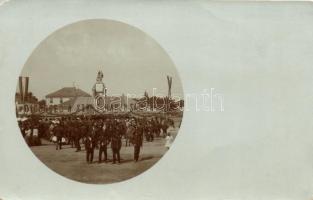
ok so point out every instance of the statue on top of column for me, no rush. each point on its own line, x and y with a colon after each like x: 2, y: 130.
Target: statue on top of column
x: 99, y: 87
x: 100, y: 76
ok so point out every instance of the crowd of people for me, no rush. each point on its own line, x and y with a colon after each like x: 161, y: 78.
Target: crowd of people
x: 98, y: 132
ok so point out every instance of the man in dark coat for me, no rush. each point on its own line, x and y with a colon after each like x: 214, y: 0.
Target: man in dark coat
x: 116, y: 143
x: 98, y: 132
x: 58, y: 131
x: 89, y: 146
x: 71, y: 134
x: 80, y: 133
x: 138, y: 138
x: 103, y: 142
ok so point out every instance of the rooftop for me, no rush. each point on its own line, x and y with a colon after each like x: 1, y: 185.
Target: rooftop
x: 68, y: 92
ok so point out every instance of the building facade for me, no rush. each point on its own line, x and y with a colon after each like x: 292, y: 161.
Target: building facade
x: 64, y: 95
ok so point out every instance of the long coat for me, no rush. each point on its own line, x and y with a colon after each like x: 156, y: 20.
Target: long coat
x: 138, y: 136
x: 104, y: 139
x: 116, y: 140
x: 89, y: 144
x: 58, y: 131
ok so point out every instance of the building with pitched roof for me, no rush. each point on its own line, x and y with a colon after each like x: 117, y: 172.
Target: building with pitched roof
x: 64, y: 95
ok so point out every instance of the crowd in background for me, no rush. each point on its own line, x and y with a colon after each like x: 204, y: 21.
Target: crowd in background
x: 97, y: 132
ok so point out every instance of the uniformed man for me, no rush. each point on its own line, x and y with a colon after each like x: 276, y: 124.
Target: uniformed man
x: 89, y: 146
x: 71, y: 133
x: 77, y: 135
x: 89, y: 149
x: 58, y: 131
x: 116, y: 143
x: 103, y: 142
x: 137, y: 141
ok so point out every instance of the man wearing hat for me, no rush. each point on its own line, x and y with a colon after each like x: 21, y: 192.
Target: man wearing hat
x: 103, y: 142
x: 137, y: 141
x: 90, y: 145
x: 116, y: 143
x: 58, y: 131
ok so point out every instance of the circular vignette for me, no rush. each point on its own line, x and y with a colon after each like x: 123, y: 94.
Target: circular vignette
x: 141, y: 101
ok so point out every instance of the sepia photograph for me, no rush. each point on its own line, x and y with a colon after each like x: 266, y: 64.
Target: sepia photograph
x: 156, y: 100
x: 99, y: 101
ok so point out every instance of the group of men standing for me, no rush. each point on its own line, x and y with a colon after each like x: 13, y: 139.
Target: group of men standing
x: 102, y: 134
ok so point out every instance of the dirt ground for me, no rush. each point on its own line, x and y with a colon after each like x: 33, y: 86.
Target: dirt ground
x: 73, y: 164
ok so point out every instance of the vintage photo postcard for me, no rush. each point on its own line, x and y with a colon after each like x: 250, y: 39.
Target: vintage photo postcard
x: 156, y: 100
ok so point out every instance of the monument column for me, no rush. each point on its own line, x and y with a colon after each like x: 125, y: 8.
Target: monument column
x: 99, y: 92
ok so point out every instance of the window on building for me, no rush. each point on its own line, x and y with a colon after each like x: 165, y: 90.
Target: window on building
x: 61, y: 100
x: 51, y: 100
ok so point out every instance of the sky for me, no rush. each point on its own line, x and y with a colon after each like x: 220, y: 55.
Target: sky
x: 131, y: 61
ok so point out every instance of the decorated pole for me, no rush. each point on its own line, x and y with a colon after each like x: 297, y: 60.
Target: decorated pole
x: 26, y: 89
x: 169, y: 82
x: 20, y: 81
x: 23, y: 88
